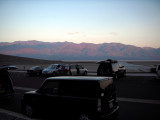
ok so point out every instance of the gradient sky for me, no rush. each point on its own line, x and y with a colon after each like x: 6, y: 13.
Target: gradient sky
x: 134, y: 22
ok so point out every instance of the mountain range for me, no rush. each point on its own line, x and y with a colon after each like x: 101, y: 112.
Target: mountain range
x: 82, y: 51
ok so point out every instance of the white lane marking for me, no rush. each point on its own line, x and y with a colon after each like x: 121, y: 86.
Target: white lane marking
x: 141, y: 74
x: 24, y: 88
x: 131, y: 74
x: 139, y: 100
x: 14, y: 114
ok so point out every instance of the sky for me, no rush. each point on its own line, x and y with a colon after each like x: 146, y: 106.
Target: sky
x: 133, y: 22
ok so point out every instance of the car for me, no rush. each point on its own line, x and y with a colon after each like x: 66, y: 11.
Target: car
x: 111, y: 68
x: 6, y: 85
x: 81, y: 98
x: 158, y: 72
x: 35, y: 70
x: 72, y: 69
x: 11, y: 67
x: 51, y: 70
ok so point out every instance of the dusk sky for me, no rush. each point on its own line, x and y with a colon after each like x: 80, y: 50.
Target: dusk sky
x: 133, y: 22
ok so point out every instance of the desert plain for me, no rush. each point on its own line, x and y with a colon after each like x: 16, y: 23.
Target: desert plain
x: 25, y: 63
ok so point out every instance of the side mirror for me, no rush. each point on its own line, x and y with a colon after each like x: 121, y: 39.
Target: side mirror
x: 40, y: 91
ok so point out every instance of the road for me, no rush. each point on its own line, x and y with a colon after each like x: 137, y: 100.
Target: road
x: 138, y: 95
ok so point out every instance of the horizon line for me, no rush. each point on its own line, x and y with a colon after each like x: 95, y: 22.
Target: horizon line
x: 78, y: 43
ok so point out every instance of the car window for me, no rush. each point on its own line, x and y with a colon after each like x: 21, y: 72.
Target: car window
x: 58, y: 66
x: 41, y: 68
x: 51, y: 87
x: 73, y: 67
x: 32, y: 68
x: 80, y: 67
x: 79, y: 89
x: 114, y: 65
x: 66, y: 67
x: 52, y: 66
x: 104, y: 65
x: 37, y: 68
x: 119, y: 65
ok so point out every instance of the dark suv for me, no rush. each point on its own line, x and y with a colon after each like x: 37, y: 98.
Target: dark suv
x: 79, y: 98
x: 110, y: 68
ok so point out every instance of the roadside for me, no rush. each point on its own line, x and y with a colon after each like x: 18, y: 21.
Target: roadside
x: 10, y: 115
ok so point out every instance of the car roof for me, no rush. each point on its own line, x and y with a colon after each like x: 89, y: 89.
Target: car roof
x: 80, y: 78
x: 35, y: 66
x: 55, y: 64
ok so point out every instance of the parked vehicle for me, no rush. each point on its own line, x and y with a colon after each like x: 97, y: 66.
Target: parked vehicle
x: 6, y: 86
x: 11, y: 67
x: 83, y: 98
x: 51, y: 70
x: 110, y: 68
x: 72, y: 69
x: 158, y: 72
x: 35, y: 70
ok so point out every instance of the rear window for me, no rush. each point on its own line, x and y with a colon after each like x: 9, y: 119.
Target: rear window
x: 80, y: 88
x: 105, y: 65
x: 73, y: 67
x: 104, y: 84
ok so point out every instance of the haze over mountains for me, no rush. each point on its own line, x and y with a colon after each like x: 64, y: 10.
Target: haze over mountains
x: 82, y: 51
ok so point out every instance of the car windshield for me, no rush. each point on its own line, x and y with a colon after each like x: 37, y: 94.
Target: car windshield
x: 52, y: 66
x: 33, y: 68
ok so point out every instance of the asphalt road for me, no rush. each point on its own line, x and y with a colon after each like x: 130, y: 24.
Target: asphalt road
x: 138, y: 95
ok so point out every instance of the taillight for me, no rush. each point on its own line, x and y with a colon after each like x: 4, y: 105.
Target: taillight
x: 99, y: 105
x: 67, y: 69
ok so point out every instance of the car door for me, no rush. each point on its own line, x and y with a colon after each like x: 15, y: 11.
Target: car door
x: 73, y: 69
x: 121, y: 69
x: 38, y: 70
x: 48, y: 98
x: 81, y: 70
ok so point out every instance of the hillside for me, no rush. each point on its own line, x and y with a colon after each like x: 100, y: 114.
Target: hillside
x: 25, y: 63
x: 14, y: 60
x: 82, y: 51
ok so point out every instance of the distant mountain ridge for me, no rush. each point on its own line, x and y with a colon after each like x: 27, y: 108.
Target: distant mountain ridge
x: 82, y: 51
